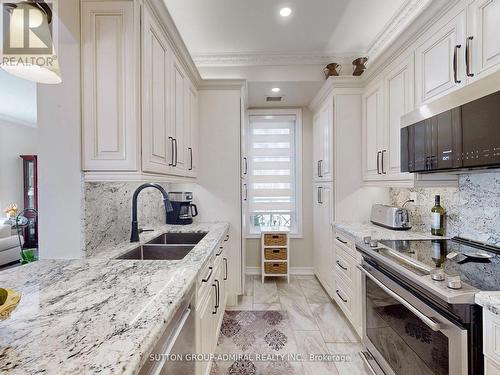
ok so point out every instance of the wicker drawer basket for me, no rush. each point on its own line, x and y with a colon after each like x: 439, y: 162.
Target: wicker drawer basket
x: 275, y: 254
x: 275, y: 239
x: 276, y: 268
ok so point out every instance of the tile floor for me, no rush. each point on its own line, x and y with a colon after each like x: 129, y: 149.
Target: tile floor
x: 318, y: 324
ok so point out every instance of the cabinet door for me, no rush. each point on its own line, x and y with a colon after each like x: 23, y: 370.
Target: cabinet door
x: 317, y: 233
x: 179, y: 126
x: 399, y: 101
x: 373, y: 131
x: 206, y: 333
x: 439, y: 61
x: 157, y: 156
x: 326, y: 141
x: 110, y: 105
x: 317, y: 154
x: 191, y: 129
x: 327, y: 254
x: 483, y: 38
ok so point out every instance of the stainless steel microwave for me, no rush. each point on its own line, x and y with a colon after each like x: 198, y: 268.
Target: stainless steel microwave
x: 464, y: 137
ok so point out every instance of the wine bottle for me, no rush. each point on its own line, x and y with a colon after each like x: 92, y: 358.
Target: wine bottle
x: 437, y: 215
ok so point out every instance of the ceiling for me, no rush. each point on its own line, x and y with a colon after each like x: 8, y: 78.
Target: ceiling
x: 295, y: 94
x: 223, y: 34
x: 321, y: 27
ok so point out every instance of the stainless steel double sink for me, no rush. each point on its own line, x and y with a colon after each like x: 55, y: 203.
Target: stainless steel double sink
x: 168, y: 246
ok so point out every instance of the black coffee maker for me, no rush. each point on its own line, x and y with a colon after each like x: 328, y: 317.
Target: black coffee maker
x: 183, y: 208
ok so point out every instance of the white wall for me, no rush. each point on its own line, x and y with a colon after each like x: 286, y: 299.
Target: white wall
x: 59, y: 146
x: 18, y: 135
x: 301, y: 249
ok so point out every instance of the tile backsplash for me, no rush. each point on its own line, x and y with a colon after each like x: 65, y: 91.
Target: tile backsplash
x: 108, y: 212
x: 473, y: 209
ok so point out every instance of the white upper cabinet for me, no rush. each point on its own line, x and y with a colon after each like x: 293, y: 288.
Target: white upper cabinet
x: 440, y: 66
x: 323, y: 142
x: 483, y: 38
x: 178, y: 131
x: 192, y: 113
x: 399, y: 91
x: 157, y: 155
x: 110, y: 100
x: 127, y: 71
x: 374, y: 132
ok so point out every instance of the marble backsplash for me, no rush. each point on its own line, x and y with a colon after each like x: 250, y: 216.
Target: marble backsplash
x: 473, y: 209
x: 108, y: 212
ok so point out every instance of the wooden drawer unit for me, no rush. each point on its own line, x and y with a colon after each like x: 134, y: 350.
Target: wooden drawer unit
x: 344, y: 298
x: 275, y: 254
x: 276, y: 268
x: 344, y: 266
x: 278, y: 239
x: 491, y: 335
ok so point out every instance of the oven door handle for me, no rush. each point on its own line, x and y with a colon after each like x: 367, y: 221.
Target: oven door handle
x: 428, y: 321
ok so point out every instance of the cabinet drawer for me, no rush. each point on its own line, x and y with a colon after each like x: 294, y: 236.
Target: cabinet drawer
x: 343, y: 296
x: 276, y: 268
x: 491, y: 335
x: 275, y: 239
x: 344, y: 266
x: 345, y: 242
x: 275, y: 254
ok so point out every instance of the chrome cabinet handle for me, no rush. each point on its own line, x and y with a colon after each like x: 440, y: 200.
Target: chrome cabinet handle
x: 227, y: 238
x: 378, y: 162
x: 209, y: 275
x: 190, y: 158
x: 172, y: 151
x: 340, y: 240
x: 428, y: 321
x: 383, y: 152
x: 320, y: 195
x: 225, y: 262
x: 245, y: 190
x: 468, y: 57
x: 341, y: 266
x: 338, y: 294
x: 455, y: 63
x: 220, y: 252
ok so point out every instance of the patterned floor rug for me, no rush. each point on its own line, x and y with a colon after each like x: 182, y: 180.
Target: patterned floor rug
x: 261, y: 341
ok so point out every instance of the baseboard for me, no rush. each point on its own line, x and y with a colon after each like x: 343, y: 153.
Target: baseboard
x: 303, y: 271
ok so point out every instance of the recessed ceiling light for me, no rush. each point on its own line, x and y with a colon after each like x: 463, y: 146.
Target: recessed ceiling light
x: 275, y: 89
x: 285, y: 12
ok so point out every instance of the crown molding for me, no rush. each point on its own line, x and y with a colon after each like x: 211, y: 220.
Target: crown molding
x: 333, y: 83
x: 405, y: 15
x: 272, y: 59
x: 223, y: 84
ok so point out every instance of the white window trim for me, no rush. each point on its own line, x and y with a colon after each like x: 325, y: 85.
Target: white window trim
x: 297, y: 112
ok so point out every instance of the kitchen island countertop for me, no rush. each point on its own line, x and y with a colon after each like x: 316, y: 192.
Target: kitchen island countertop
x: 96, y: 315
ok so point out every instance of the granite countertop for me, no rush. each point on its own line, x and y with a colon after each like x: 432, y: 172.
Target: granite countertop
x: 489, y: 301
x: 363, y: 229
x: 97, y: 315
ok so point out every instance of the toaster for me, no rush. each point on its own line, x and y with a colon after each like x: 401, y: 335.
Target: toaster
x: 391, y: 217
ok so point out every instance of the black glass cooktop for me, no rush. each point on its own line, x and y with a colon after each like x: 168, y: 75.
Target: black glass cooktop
x: 477, y: 265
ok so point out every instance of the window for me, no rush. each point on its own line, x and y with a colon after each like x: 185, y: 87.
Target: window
x: 274, y: 170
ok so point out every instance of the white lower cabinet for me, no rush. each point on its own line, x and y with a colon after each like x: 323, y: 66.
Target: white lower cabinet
x: 323, y: 221
x: 211, y: 299
x: 348, y: 280
x: 491, y: 342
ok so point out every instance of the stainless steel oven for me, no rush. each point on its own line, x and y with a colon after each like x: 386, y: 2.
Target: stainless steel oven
x: 406, y: 336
